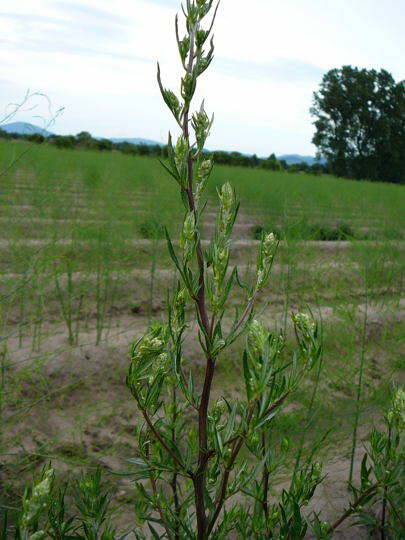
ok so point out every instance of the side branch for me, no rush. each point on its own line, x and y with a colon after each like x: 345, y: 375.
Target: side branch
x: 162, y: 441
x: 353, y: 507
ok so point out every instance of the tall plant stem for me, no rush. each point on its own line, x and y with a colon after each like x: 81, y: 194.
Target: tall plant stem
x: 265, y: 479
x: 158, y: 505
x: 199, y: 477
x: 152, y: 275
x: 174, y: 481
x: 359, y: 385
x: 385, y: 495
x: 3, y: 358
x: 307, y: 419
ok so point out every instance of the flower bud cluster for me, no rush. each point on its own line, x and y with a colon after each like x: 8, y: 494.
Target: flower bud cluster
x: 161, y: 366
x: 227, y: 212
x: 188, y: 86
x: 170, y: 98
x: 257, y: 337
x: 188, y: 236
x: 201, y: 37
x: 149, y: 362
x: 201, y: 125
x: 203, y: 172
x: 304, y: 323
x: 150, y: 347
x: 396, y: 414
x: 267, y: 251
x: 220, y: 261
x: 184, y: 48
x: 178, y: 313
x: 35, y: 503
x: 218, y: 410
x: 181, y: 152
x: 219, y: 287
x: 197, y: 11
x: 308, y: 337
x: 203, y: 64
x: 261, y: 362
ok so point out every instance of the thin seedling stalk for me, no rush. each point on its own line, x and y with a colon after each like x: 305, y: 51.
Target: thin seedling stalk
x: 103, y: 285
x: 309, y: 417
x: 38, y: 316
x: 3, y: 366
x: 66, y: 303
x: 153, y: 275
x: 175, y: 481
x: 385, y: 492
x: 71, y: 304
x: 21, y: 310
x: 359, y: 382
x: 78, y: 319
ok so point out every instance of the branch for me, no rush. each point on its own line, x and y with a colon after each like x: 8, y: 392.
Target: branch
x: 220, y: 500
x: 247, y: 311
x: 158, y: 506
x: 353, y: 507
x: 161, y: 440
x: 277, y: 403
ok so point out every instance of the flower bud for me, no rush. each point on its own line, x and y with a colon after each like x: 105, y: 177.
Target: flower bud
x: 304, y: 322
x: 227, y: 209
x: 256, y: 340
x: 204, y: 170
x: 34, y: 504
x: 218, y: 409
x: 184, y: 48
x: 162, y: 365
x: 220, y: 262
x: 201, y: 37
x: 188, y: 87
x: 150, y: 346
x: 267, y: 251
x: 397, y: 410
x: 188, y: 231
x: 179, y: 304
x: 180, y: 152
x: 227, y: 196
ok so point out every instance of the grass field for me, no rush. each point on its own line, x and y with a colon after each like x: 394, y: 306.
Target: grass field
x: 84, y: 267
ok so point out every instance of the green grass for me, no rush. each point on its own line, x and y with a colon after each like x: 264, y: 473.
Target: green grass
x: 131, y: 194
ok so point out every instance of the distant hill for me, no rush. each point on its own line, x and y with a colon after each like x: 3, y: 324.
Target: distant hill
x: 24, y: 128
x: 292, y: 159
x: 135, y: 140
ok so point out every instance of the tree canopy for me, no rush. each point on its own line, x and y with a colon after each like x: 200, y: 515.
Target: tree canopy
x: 360, y: 124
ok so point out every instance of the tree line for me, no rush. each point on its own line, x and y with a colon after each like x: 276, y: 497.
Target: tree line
x: 84, y: 140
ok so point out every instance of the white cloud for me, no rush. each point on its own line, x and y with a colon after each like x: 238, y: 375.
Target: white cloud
x: 97, y: 58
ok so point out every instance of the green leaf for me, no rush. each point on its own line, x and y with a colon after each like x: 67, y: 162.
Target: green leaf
x: 154, y: 532
x: 172, y: 252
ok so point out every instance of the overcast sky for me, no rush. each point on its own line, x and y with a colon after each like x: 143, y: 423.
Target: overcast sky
x: 97, y: 58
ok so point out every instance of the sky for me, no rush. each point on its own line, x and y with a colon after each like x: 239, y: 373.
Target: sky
x: 97, y: 59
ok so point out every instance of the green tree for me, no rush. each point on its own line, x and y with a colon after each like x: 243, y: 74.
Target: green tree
x: 360, y: 123
x: 271, y: 163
